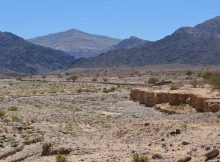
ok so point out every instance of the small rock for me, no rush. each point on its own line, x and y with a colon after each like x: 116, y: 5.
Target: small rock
x: 212, y: 154
x: 19, y: 127
x: 157, y: 156
x: 1, y: 145
x: 185, y: 143
x: 185, y: 159
x: 14, y: 144
x: 146, y: 124
x: 163, y: 145
x: 178, y: 131
x: 207, y: 148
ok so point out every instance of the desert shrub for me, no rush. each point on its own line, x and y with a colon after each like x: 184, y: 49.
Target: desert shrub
x: 61, y: 158
x: 94, y: 79
x: 218, y: 116
x: 2, y: 114
x: 15, y: 119
x: 213, y: 79
x: 13, y: 108
x: 72, y: 78
x: 173, y: 87
x: 189, y: 73
x: 152, y: 80
x: 106, y: 90
x: 140, y: 158
x: 44, y: 76
x: 207, y: 75
x: 105, y: 79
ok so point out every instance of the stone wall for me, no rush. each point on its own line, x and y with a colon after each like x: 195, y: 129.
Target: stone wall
x: 151, y: 98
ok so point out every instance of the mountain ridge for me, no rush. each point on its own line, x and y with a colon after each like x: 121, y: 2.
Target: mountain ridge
x: 76, y: 42
x: 18, y: 55
x: 198, y: 45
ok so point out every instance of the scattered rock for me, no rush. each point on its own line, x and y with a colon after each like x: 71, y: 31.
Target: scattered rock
x: 185, y: 143
x: 212, y: 154
x: 14, y: 144
x: 207, y: 148
x: 157, y: 156
x: 146, y: 124
x: 185, y: 159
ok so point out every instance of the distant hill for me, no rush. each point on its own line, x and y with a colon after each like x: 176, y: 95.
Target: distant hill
x: 76, y: 43
x: 18, y: 55
x: 131, y: 42
x: 199, y: 45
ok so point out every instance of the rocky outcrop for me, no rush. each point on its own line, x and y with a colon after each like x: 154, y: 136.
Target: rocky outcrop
x: 151, y: 98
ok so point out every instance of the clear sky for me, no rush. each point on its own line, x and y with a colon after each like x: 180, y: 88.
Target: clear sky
x: 147, y: 19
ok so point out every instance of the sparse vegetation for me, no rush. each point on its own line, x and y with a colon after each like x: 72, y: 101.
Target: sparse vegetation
x: 152, y: 80
x: 213, y: 79
x: 2, y: 114
x: 61, y: 158
x: 174, y: 87
x: 13, y: 108
x: 15, y: 118
x: 189, y: 73
x: 140, y: 158
x: 106, y: 90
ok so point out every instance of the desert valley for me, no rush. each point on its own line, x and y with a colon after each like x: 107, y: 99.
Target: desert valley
x: 73, y: 96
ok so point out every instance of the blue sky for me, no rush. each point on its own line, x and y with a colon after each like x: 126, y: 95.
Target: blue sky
x: 147, y: 19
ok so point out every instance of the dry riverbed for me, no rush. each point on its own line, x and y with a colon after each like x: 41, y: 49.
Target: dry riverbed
x: 85, y: 123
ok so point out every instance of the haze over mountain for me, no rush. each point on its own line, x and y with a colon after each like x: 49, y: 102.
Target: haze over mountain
x: 199, y: 45
x: 76, y: 43
x: 18, y: 55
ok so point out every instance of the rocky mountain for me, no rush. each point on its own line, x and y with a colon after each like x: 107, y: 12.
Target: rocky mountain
x: 18, y: 55
x: 199, y: 45
x: 76, y: 43
x: 131, y: 42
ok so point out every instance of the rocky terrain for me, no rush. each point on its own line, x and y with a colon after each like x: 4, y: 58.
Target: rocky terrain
x: 91, y: 117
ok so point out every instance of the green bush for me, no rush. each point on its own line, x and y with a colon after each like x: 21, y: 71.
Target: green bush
x: 106, y: 90
x: 213, y: 79
x: 61, y: 158
x: 189, y: 73
x: 140, y: 158
x: 2, y: 114
x: 173, y: 88
x: 207, y: 75
x: 13, y: 108
x: 152, y: 80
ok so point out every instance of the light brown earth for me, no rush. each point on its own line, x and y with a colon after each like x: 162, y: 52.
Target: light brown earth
x: 80, y: 120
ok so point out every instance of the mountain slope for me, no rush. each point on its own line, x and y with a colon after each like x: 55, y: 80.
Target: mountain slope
x: 76, y: 43
x: 131, y: 42
x: 187, y: 45
x: 18, y: 55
